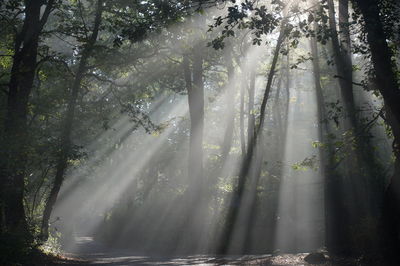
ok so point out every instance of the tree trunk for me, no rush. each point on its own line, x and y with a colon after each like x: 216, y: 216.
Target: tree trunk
x: 381, y: 56
x: 391, y: 203
x: 192, y: 224
x: 347, y: 70
x: 230, y: 91
x: 242, y: 95
x: 385, y: 72
x: 345, y: 41
x: 335, y: 218
x: 342, y: 58
x: 65, y: 140
x: 277, y: 113
x: 256, y: 169
x: 14, y: 153
x: 251, y: 117
x: 357, y: 159
x: 236, y: 202
x: 287, y: 87
x: 196, y: 111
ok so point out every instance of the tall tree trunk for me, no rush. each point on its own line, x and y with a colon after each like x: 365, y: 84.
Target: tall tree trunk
x: 346, y: 72
x: 65, y: 140
x: 277, y: 113
x: 381, y: 56
x: 236, y: 202
x: 287, y: 87
x: 251, y: 120
x: 242, y: 95
x: 342, y: 58
x: 335, y: 218
x: 196, y: 110
x: 256, y: 169
x: 193, y: 222
x: 385, y: 72
x: 345, y: 40
x: 390, y: 221
x: 14, y: 152
x: 230, y: 91
x: 357, y: 158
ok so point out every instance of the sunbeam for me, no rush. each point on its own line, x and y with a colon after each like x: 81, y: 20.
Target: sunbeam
x: 300, y: 216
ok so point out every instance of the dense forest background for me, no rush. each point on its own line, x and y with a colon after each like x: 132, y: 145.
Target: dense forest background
x: 200, y: 127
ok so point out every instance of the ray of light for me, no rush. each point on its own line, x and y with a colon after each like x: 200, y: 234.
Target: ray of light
x: 300, y: 210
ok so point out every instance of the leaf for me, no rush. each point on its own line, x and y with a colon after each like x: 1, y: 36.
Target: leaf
x: 310, y: 18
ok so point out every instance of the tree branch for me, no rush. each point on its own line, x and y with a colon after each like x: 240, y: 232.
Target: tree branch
x: 46, y: 14
x: 102, y: 79
x: 354, y: 83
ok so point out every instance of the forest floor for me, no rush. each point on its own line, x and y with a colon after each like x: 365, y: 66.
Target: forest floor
x: 89, y: 252
x: 249, y: 260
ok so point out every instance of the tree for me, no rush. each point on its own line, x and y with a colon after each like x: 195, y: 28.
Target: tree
x: 15, y: 136
x: 385, y: 74
x: 65, y: 139
x: 230, y: 91
x: 249, y: 159
x: 196, y: 110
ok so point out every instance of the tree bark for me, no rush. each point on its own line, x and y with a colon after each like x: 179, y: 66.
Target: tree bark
x: 357, y: 159
x: 242, y: 95
x: 14, y: 153
x: 344, y: 29
x: 335, y: 218
x: 342, y: 58
x: 250, y: 113
x: 65, y: 139
x: 196, y: 111
x: 385, y: 73
x: 196, y: 194
x: 381, y: 56
x: 236, y: 202
x: 230, y: 91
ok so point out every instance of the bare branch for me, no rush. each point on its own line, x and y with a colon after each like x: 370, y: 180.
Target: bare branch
x: 354, y: 83
x: 103, y: 79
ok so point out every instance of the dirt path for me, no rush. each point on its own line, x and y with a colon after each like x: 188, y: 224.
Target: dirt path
x: 94, y: 253
x: 90, y: 252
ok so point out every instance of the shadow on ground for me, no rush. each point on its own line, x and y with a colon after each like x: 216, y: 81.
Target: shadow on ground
x: 89, y: 252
